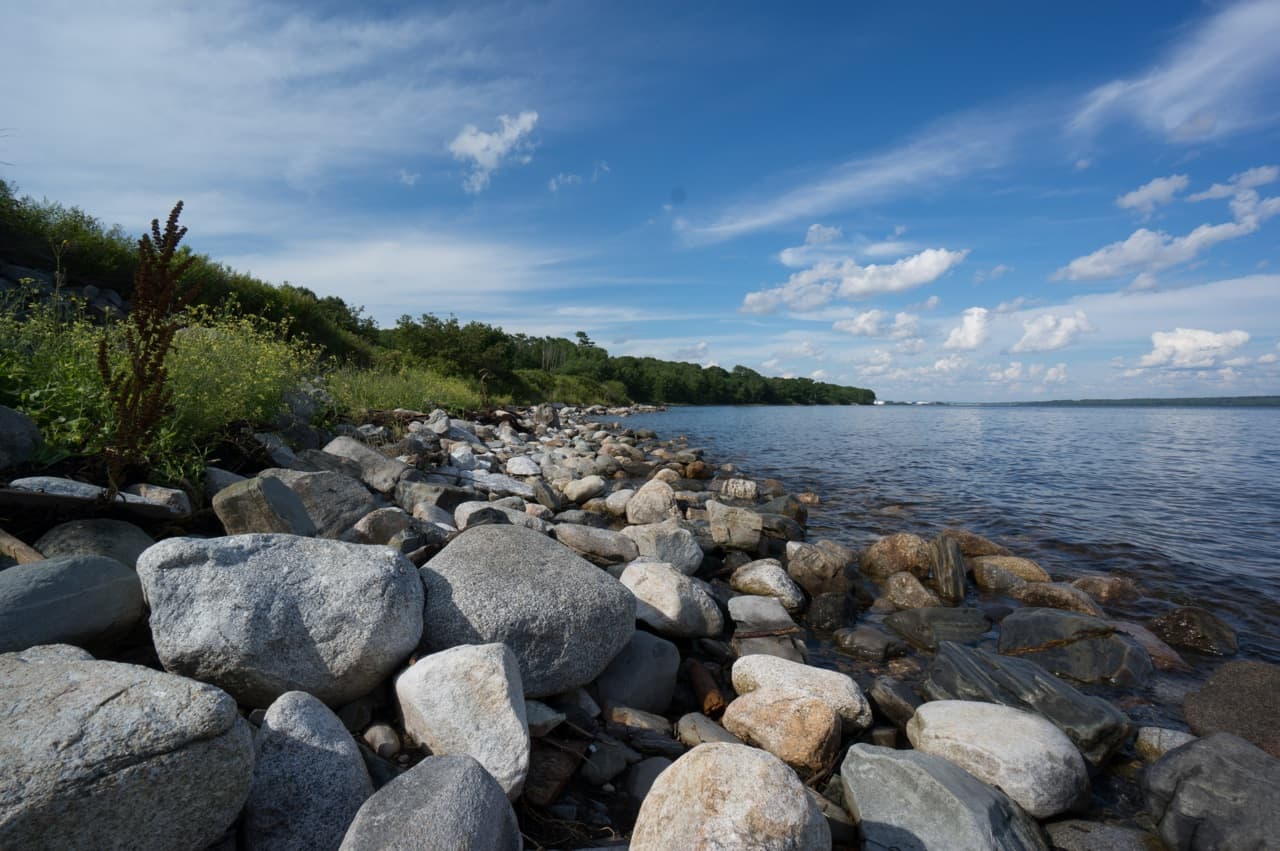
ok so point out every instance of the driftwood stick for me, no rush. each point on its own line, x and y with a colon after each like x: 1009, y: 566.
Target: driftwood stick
x: 17, y: 550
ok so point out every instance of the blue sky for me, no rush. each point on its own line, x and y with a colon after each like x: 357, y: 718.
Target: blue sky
x: 1026, y: 201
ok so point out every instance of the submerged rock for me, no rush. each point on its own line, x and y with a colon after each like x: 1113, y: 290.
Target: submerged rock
x: 927, y: 628
x: 1084, y: 648
x: 1242, y: 698
x: 1193, y: 628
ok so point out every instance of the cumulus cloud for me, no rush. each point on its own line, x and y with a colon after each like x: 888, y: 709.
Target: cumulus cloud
x: 1056, y: 374
x: 487, y: 152
x: 1047, y: 332
x: 819, y: 375
x: 1011, y: 373
x: 563, y: 179
x: 950, y: 363
x: 869, y: 324
x: 1191, y: 348
x: 1251, y: 179
x: 845, y: 278
x: 821, y: 234
x: 1150, y: 195
x: 971, y: 332
x: 1013, y: 305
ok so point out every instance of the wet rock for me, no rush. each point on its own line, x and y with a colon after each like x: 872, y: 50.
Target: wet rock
x: 100, y: 753
x: 600, y: 546
x: 260, y: 615
x: 833, y: 688
x: 1081, y: 835
x: 652, y: 503
x: 667, y: 542
x: 1193, y: 628
x: 973, y: 545
x: 261, y: 505
x: 948, y: 569
x: 696, y: 729
x: 780, y: 527
x: 19, y: 438
x: 1240, y: 698
x: 1083, y: 648
x: 334, y: 502
x: 766, y: 578
x: 927, y: 628
x: 869, y: 643
x: 1057, y: 595
x: 895, y: 700
x: 309, y: 779
x: 1109, y: 589
x: 1023, y: 568
x: 963, y: 673
x: 1019, y: 753
x: 376, y: 470
x: 687, y: 808
x: 907, y: 799
x: 1154, y: 742
x: 468, y: 700
x: 564, y: 618
x: 670, y: 602
x: 90, y: 601
x: 114, y: 539
x: 1162, y: 655
x: 444, y: 803
x: 642, y: 675
x: 1216, y: 792
x: 830, y: 612
x: 734, y: 528
x: 991, y: 577
x: 802, y: 731
x: 819, y: 569
x: 905, y: 592
x: 897, y: 553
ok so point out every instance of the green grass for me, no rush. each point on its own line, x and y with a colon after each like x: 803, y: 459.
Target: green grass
x: 356, y: 390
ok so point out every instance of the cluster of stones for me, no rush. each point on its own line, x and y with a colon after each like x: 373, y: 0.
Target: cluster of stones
x: 402, y: 634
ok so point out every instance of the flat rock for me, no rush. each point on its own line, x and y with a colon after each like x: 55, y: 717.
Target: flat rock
x: 468, y: 700
x: 86, y: 600
x: 915, y: 801
x: 642, y: 675
x: 1154, y: 742
x: 67, y: 493
x: 117, y: 539
x: 97, y: 754
x: 260, y: 615
x: 1193, y: 628
x: 1083, y: 648
x: 309, y: 779
x: 964, y: 673
x: 697, y: 729
x: 760, y: 613
x: 600, y: 546
x: 444, y: 803
x: 1081, y: 835
x: 670, y: 602
x: 1242, y: 698
x: 562, y: 617
x: 869, y: 643
x: 734, y: 528
x: 522, y: 465
x: 766, y: 578
x: 927, y: 628
x: 833, y: 688
x: 895, y: 553
x: 1019, y: 753
x: 688, y: 808
x: 1219, y: 792
x: 667, y: 542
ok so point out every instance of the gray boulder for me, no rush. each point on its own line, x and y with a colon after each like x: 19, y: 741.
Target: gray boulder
x: 641, y: 676
x: 927, y: 628
x: 115, y: 539
x: 468, y: 700
x: 1219, y: 792
x: 562, y: 617
x: 581, y: 490
x: 729, y: 796
x: 334, y: 502
x: 309, y: 779
x: 91, y: 601
x: 376, y: 470
x: 1240, y: 698
x: 100, y: 754
x: 653, y: 503
x: 261, y: 505
x: 670, y: 602
x: 766, y: 578
x: 914, y: 802
x: 1194, y: 628
x: 600, y: 546
x: 819, y: 568
x: 948, y: 568
x: 1093, y: 724
x: 260, y: 615
x: 667, y: 542
x: 1083, y: 648
x: 19, y: 438
x: 444, y: 803
x: 734, y: 528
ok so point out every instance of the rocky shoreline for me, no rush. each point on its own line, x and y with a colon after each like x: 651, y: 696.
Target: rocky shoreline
x: 548, y: 630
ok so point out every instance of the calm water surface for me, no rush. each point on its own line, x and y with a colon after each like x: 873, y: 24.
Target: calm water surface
x: 1184, y: 500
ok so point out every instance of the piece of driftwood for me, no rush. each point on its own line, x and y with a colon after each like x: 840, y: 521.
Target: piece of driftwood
x: 706, y: 690
x: 17, y: 550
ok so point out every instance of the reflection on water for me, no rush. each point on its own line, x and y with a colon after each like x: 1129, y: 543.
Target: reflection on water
x: 1185, y: 500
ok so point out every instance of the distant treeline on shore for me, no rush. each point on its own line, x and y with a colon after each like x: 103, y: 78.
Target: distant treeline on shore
x: 1189, y: 402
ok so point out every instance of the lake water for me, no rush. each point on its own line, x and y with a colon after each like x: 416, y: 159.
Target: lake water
x: 1184, y: 500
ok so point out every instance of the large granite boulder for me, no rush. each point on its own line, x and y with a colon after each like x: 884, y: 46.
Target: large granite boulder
x: 260, y: 615
x: 334, y: 502
x: 670, y: 602
x: 833, y: 688
x: 309, y: 779
x: 895, y: 553
x: 101, y: 754
x: 1083, y: 648
x: 667, y: 542
x: 1241, y: 698
x: 468, y: 700
x: 444, y: 803
x: 1219, y: 792
x: 89, y: 601
x: 721, y: 796
x: 1095, y: 726
x: 1019, y: 753
x: 800, y: 730
x: 19, y: 438
x: 99, y: 536
x: 563, y: 618
x: 913, y: 800
x: 653, y: 503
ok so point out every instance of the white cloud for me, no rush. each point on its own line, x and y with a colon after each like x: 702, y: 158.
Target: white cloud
x: 1251, y: 179
x: 1012, y: 373
x: 408, y: 179
x: 930, y: 303
x: 804, y: 349
x: 869, y: 324
x: 487, y: 152
x: 1150, y: 195
x: 1056, y: 374
x: 950, y: 363
x: 1219, y: 80
x: 1269, y: 357
x: 910, y: 346
x: 818, y: 375
x: 845, y: 278
x: 601, y: 168
x: 992, y: 274
x: 696, y: 352
x: 1151, y: 251
x: 1191, y: 348
x: 904, y: 325
x: 1083, y: 163
x: 1013, y: 305
x: 971, y: 332
x: 1047, y: 333
x: 563, y: 179
x: 820, y: 234
x: 770, y: 364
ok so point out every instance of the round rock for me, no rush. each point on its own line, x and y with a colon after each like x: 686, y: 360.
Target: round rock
x: 833, y: 688
x: 671, y: 602
x: 895, y: 553
x: 102, y: 536
x: 90, y: 601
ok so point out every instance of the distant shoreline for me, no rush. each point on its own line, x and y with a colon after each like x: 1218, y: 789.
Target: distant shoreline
x: 1183, y: 402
